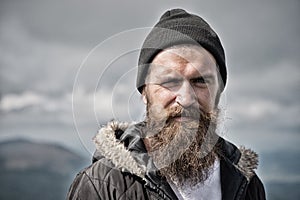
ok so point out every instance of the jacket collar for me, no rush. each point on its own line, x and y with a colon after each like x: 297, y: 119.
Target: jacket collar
x: 122, y: 144
x: 234, y: 178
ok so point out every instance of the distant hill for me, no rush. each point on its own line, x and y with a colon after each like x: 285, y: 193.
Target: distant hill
x: 30, y: 170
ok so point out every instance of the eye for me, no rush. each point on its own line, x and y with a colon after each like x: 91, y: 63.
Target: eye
x: 199, y: 80
x: 171, y: 83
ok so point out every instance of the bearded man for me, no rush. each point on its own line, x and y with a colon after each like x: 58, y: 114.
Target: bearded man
x: 175, y: 153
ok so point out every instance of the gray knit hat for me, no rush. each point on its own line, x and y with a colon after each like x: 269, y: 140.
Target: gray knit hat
x: 179, y: 27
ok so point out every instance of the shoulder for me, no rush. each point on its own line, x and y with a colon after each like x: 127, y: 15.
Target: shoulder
x: 255, y: 189
x: 244, y: 159
x: 102, y: 180
x: 105, y: 172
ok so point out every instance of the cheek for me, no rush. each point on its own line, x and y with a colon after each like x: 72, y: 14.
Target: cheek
x: 161, y: 96
x: 206, y: 99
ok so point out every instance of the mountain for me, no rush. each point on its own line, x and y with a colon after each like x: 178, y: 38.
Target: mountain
x: 31, y: 170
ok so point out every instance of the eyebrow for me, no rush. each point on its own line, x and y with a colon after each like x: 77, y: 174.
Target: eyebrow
x: 165, y: 78
x: 171, y: 78
x: 206, y: 76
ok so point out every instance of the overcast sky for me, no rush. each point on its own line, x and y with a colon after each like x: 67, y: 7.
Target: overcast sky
x: 53, y: 53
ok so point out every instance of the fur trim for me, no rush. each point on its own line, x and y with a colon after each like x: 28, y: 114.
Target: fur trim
x: 114, y: 150
x: 248, y: 162
x: 107, y: 144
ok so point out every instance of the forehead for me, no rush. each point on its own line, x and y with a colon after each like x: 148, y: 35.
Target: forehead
x: 187, y: 60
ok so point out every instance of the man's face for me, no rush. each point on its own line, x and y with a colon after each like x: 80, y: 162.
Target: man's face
x: 185, y: 76
x: 180, y: 94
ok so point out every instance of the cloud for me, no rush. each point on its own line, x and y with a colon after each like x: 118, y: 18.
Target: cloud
x: 264, y: 100
x: 255, y: 109
x: 28, y: 63
x: 15, y: 102
x: 32, y: 100
x: 44, y: 43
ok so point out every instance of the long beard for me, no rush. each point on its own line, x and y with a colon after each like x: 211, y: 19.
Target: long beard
x: 184, y: 152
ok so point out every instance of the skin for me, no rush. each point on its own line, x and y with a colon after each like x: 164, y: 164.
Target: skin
x: 182, y: 75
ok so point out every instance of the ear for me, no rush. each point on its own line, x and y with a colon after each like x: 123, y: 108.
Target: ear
x: 144, y: 99
x: 144, y: 96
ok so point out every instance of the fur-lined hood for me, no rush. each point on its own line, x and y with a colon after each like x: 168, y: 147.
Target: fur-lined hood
x: 113, y: 149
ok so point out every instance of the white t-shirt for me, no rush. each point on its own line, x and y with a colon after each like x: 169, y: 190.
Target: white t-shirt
x: 210, y: 189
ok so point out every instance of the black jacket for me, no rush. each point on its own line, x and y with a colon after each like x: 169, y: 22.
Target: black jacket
x: 122, y: 170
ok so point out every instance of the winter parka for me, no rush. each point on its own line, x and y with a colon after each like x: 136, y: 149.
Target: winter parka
x: 121, y: 170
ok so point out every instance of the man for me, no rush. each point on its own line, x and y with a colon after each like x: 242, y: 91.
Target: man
x: 175, y: 153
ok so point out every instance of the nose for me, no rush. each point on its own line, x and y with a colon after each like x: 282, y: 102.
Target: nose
x: 185, y: 95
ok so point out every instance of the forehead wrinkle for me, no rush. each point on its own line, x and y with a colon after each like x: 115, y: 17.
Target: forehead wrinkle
x: 166, y: 63
x: 197, y: 58
x: 170, y: 60
x: 171, y: 63
x: 187, y: 61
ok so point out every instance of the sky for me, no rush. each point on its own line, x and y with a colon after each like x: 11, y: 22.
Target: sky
x: 69, y: 66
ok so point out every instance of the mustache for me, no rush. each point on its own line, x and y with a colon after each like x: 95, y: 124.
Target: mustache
x: 179, y: 111
x: 158, y: 118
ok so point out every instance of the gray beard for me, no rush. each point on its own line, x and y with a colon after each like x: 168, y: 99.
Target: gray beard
x: 183, y: 152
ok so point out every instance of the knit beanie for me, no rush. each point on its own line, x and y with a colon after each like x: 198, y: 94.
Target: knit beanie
x: 176, y: 27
